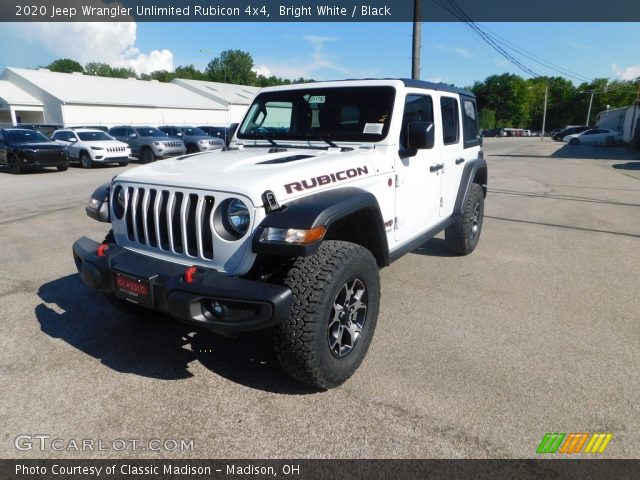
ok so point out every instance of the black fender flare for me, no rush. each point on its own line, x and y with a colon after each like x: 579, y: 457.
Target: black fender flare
x: 474, y: 169
x: 101, y: 213
x: 324, y: 208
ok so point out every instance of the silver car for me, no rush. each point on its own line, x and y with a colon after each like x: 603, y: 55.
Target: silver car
x: 148, y: 143
x: 195, y: 139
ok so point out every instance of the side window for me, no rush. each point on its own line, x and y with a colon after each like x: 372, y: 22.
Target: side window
x: 56, y: 136
x: 116, y: 132
x: 417, y: 108
x: 450, y: 120
x: 1, y: 136
x: 129, y: 131
x: 470, y: 123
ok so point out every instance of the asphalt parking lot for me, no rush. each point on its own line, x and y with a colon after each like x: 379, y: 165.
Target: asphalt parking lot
x: 537, y: 331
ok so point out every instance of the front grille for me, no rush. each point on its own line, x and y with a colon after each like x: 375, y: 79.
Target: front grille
x: 168, y: 220
x: 116, y: 149
x: 172, y: 144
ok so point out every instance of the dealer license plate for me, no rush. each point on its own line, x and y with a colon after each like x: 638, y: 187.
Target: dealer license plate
x: 134, y: 289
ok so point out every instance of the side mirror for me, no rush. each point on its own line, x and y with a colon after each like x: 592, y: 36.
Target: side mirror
x: 133, y: 135
x: 73, y: 140
x: 420, y: 136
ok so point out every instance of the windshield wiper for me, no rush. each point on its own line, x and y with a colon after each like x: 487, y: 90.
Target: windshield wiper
x: 327, y: 141
x: 269, y: 139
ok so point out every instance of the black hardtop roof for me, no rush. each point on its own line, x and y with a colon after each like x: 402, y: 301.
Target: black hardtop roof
x: 409, y: 82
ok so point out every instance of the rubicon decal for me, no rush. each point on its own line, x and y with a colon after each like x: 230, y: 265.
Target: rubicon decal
x: 573, y: 442
x: 326, y: 179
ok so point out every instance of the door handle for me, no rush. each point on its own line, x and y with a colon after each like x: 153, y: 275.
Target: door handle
x: 435, y: 167
x: 459, y: 161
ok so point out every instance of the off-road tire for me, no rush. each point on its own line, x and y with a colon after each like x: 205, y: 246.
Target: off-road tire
x: 62, y: 168
x: 15, y: 165
x: 302, y: 341
x: 574, y: 141
x: 463, y: 235
x: 123, y: 164
x: 85, y: 160
x: 147, y: 155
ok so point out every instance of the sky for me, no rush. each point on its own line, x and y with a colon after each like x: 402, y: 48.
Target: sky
x: 451, y: 52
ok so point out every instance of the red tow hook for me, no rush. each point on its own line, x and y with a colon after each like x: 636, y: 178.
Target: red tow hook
x: 102, y: 249
x: 190, y: 275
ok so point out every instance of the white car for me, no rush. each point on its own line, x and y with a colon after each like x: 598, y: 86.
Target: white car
x: 92, y: 146
x: 595, y: 136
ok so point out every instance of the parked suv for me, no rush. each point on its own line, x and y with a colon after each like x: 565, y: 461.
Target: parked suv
x: 195, y: 140
x: 24, y: 149
x: 89, y: 147
x: 225, y: 133
x: 323, y: 185
x: 148, y: 143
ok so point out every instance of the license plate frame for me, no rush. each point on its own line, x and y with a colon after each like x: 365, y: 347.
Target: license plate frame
x: 133, y: 289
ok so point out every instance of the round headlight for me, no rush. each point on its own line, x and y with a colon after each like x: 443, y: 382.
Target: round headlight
x: 238, y: 217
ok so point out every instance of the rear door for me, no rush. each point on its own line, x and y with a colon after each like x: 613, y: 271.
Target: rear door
x: 460, y: 143
x: 418, y: 177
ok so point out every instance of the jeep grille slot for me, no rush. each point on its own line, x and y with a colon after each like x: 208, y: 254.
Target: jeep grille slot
x: 176, y: 222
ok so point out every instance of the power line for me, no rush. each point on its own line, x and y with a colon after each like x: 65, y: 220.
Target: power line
x: 457, y: 12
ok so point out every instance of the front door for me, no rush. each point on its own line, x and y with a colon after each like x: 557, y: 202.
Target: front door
x: 418, y: 177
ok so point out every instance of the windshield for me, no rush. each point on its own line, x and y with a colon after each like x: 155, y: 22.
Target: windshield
x: 94, y: 136
x: 352, y: 114
x: 24, y: 136
x: 150, y: 132
x: 194, y: 132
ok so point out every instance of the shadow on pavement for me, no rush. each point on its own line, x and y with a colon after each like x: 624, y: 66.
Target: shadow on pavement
x: 580, y: 152
x: 156, y: 346
x: 436, y: 247
x: 627, y: 166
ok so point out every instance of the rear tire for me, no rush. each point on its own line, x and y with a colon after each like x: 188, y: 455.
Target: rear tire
x: 463, y: 235
x: 148, y: 156
x: 85, y: 160
x: 336, y: 296
x: 62, y: 168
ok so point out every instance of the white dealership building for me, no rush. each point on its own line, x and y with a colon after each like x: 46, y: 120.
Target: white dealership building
x: 74, y: 99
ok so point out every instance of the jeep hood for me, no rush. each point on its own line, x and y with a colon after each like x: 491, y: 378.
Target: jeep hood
x: 252, y: 171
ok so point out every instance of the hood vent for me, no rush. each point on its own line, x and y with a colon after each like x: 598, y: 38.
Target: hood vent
x: 291, y: 158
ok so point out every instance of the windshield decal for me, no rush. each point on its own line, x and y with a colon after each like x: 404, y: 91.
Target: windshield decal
x: 373, y: 128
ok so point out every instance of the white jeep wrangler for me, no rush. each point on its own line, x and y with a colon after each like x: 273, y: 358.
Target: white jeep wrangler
x: 322, y: 185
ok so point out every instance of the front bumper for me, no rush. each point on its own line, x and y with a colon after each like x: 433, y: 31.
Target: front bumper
x: 45, y: 159
x: 169, y: 152
x: 213, y: 300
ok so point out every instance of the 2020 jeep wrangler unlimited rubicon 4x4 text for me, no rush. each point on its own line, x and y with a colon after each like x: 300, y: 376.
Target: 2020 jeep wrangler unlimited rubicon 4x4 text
x: 322, y: 185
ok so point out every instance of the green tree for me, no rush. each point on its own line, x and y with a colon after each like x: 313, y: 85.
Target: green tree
x: 65, y: 65
x: 486, y: 118
x: 232, y: 66
x: 189, y: 72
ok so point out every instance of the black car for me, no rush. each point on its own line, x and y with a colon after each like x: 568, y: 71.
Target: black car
x: 558, y: 137
x: 46, y: 129
x: 22, y: 149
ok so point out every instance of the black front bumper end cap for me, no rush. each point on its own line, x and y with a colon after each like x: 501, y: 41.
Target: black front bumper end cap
x: 213, y: 300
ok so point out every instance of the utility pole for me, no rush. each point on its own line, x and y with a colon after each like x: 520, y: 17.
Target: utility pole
x: 589, y: 112
x: 417, y: 38
x: 544, y: 115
